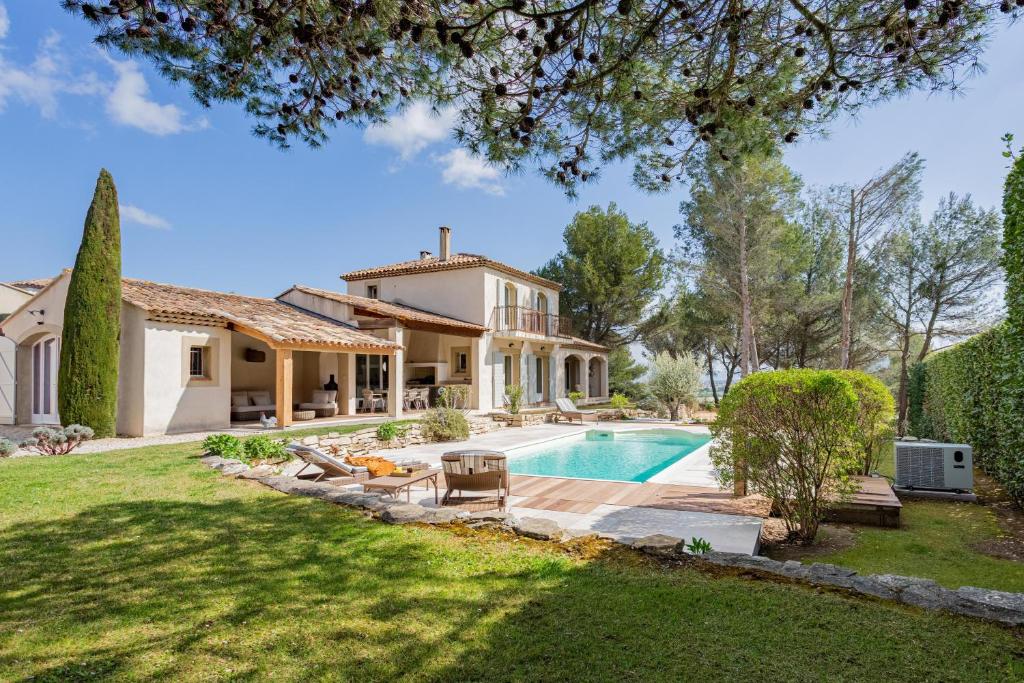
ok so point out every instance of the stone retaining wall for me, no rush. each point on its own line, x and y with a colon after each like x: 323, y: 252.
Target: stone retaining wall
x: 365, y: 441
x: 980, y: 603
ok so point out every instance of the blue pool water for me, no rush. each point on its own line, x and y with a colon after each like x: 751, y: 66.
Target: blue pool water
x: 622, y: 456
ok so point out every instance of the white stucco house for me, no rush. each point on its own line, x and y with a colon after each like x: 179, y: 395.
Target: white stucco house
x: 12, y: 296
x: 196, y: 360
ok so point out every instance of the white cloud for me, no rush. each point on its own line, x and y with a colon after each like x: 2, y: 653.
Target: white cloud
x: 5, y: 21
x: 40, y: 83
x: 462, y: 169
x: 134, y: 214
x: 128, y: 103
x: 412, y: 130
x: 51, y: 74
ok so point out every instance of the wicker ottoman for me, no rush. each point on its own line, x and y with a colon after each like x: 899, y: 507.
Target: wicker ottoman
x: 302, y: 415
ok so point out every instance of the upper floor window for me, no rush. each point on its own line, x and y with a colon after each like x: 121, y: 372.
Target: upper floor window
x: 542, y: 302
x: 372, y: 292
x: 511, y: 298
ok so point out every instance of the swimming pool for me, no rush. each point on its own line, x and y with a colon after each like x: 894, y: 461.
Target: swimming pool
x: 612, y: 456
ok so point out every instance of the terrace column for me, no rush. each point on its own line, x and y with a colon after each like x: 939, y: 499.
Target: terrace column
x: 396, y: 375
x: 283, y: 386
x: 481, y: 391
x: 604, y: 377
x: 347, y: 383
x: 585, y: 378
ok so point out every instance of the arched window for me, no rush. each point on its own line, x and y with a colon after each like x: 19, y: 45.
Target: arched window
x: 542, y: 302
x: 511, y: 307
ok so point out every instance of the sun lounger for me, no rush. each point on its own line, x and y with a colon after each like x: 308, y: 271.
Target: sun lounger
x: 569, y: 410
x: 333, y: 470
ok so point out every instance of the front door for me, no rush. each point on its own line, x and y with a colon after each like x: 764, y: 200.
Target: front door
x: 45, y: 360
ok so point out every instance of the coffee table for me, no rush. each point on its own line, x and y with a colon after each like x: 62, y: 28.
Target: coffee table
x: 394, y: 485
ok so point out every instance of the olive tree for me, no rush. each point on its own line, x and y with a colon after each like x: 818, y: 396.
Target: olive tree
x: 791, y: 435
x: 675, y: 380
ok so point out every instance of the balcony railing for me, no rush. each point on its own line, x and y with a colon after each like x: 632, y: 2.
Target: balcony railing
x: 530, y: 321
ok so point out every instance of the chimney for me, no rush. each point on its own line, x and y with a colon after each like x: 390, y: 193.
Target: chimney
x: 446, y: 243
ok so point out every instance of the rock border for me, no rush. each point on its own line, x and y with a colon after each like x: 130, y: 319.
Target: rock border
x: 980, y: 603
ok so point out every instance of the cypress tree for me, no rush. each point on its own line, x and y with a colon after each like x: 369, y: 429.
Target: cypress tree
x: 87, y: 390
x: 1013, y: 248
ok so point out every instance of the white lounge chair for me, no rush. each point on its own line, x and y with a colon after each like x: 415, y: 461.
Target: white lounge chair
x: 336, y: 471
x: 569, y: 410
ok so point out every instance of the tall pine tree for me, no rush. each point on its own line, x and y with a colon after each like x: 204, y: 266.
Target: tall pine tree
x: 89, y: 352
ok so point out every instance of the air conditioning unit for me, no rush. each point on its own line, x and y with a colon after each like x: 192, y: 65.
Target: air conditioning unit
x: 934, y: 466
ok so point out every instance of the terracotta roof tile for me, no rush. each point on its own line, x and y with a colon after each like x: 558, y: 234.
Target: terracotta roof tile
x: 432, y: 264
x: 389, y: 309
x: 31, y: 286
x: 578, y: 343
x: 281, y: 323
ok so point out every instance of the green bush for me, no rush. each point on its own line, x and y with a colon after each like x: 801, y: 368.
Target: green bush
x: 445, y: 424
x: 224, y: 445
x: 876, y: 415
x: 89, y: 351
x: 973, y: 393
x: 389, y: 431
x: 576, y: 396
x: 791, y: 434
x: 7, y: 448
x: 619, y: 401
x: 59, y: 441
x: 513, y: 398
x: 261, y: 448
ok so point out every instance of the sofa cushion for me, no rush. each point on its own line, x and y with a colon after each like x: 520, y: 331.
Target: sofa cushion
x: 259, y: 398
x: 254, y: 409
x: 239, y: 399
x: 324, y: 397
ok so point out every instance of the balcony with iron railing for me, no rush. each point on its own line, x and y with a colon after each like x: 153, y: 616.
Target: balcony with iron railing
x: 522, y: 320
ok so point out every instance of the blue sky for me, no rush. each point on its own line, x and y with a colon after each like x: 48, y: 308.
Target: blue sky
x: 206, y: 204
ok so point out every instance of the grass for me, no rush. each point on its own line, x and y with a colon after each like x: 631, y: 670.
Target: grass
x: 143, y: 564
x: 935, y: 541
x: 333, y: 429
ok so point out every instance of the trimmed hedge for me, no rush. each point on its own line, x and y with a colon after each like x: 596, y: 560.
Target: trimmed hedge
x: 974, y: 392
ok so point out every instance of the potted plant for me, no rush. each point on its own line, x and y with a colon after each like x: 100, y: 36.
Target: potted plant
x: 513, y: 403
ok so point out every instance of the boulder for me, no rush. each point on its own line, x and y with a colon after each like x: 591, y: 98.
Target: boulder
x: 258, y: 472
x: 444, y: 515
x: 496, y: 516
x: 233, y: 469
x: 403, y: 513
x: 1007, y: 608
x: 657, y: 544
x: 539, y: 528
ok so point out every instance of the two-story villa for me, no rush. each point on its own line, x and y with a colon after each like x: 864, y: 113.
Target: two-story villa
x: 194, y: 360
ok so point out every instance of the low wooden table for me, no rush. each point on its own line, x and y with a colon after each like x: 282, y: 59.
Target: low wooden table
x: 394, y: 485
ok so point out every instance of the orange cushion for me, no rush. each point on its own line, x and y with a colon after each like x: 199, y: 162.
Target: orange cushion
x: 379, y: 467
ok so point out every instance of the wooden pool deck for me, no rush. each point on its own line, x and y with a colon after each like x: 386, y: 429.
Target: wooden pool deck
x: 583, y: 495
x: 874, y: 504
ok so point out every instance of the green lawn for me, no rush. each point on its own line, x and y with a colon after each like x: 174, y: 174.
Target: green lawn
x: 332, y: 429
x: 935, y: 541
x: 143, y: 564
